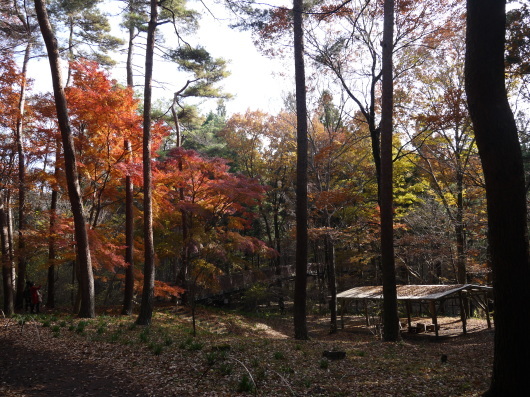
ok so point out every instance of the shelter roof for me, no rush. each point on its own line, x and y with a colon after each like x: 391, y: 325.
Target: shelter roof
x: 411, y: 292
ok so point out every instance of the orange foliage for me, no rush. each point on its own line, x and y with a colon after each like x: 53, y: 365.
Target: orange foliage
x: 103, y: 116
x: 218, y: 203
x: 10, y: 79
x: 162, y: 289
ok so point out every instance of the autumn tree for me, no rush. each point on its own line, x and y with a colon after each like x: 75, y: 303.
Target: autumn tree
x: 7, y: 274
x: 103, y: 115
x: 344, y: 42
x: 219, y: 211
x: 265, y: 146
x: 500, y: 152
x: 300, y: 292
x: 74, y: 193
x: 332, y: 143
x: 134, y: 23
x: 446, y: 146
x: 10, y: 79
x: 19, y: 27
x: 204, y: 72
x: 518, y: 47
x: 390, y: 312
x: 146, y: 308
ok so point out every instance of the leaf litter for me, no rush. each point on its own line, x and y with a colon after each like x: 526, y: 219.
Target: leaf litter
x: 234, y: 355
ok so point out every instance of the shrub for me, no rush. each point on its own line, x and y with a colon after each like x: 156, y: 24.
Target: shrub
x: 81, y: 325
x: 246, y: 385
x: 211, y: 358
x: 256, y: 295
x: 226, y: 369
x: 156, y: 348
x: 144, y: 335
x: 195, y: 345
x: 191, y: 344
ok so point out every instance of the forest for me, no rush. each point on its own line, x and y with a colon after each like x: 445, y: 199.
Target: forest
x: 399, y: 156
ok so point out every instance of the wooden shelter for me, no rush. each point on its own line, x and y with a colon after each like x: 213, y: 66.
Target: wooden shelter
x: 433, y: 295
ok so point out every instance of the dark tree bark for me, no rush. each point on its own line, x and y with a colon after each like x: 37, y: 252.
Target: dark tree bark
x: 129, y: 241
x: 129, y: 198
x: 300, y: 288
x: 183, y: 273
x: 390, y: 313
x: 500, y: 152
x: 146, y: 308
x: 52, y: 253
x: 7, y: 274
x: 329, y: 255
x: 86, y: 279
x: 50, y: 302
x: 461, y: 275
x: 22, y: 262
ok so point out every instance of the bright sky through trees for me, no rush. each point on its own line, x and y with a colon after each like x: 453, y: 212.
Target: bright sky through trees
x: 256, y: 81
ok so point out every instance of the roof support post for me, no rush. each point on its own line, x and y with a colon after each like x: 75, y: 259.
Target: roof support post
x: 432, y: 309
x: 408, y: 308
x: 462, y: 312
x: 343, y: 303
x: 487, y: 309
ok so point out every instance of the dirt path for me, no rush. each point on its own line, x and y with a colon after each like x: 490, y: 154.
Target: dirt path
x: 29, y: 368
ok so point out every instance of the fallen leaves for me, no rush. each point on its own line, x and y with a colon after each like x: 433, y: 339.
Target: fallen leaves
x: 235, y: 355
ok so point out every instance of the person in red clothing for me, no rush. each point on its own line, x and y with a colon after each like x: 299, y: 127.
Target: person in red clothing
x: 35, y: 298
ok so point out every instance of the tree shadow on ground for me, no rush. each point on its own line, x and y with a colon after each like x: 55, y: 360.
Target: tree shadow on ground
x: 39, y: 372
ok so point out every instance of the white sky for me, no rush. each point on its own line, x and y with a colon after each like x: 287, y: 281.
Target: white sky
x: 255, y: 82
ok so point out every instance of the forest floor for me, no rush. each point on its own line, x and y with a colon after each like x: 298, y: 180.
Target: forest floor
x: 54, y: 354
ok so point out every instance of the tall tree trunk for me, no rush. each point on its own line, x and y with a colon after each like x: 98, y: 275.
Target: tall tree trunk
x: 52, y: 256
x: 128, y: 293
x: 146, y: 308
x: 129, y: 240
x: 70, y: 49
x: 74, y: 191
x: 277, y: 240
x: 7, y: 274
x: 22, y: 262
x: 329, y: 255
x: 459, y: 226
x: 10, y: 242
x: 300, y: 288
x: 390, y: 313
x: 500, y: 152
x: 184, y: 271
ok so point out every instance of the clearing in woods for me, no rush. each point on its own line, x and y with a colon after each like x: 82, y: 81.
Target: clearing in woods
x: 58, y: 355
